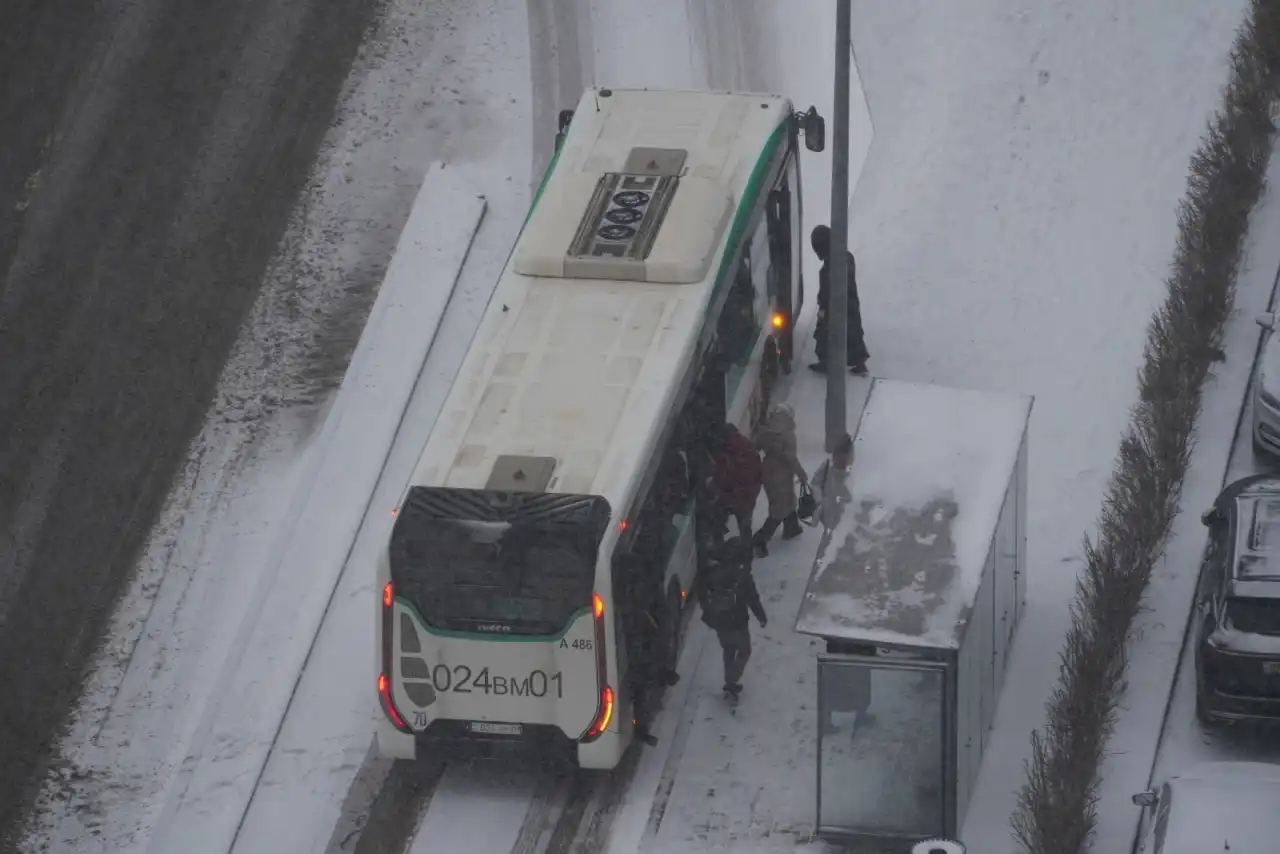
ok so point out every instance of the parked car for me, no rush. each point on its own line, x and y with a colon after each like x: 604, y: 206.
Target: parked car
x: 1214, y: 807
x: 1266, y: 392
x: 1238, y: 604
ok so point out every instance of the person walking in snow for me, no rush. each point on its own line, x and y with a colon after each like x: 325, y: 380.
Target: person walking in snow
x: 736, y: 481
x: 855, y: 345
x: 727, y: 594
x: 779, y: 470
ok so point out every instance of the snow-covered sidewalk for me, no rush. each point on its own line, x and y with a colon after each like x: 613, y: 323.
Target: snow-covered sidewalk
x: 743, y: 780
x: 1012, y: 225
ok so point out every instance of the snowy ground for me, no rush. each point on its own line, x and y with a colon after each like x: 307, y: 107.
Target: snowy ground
x: 1014, y: 222
x: 1012, y: 226
x: 743, y: 781
x: 1183, y: 743
x: 410, y: 100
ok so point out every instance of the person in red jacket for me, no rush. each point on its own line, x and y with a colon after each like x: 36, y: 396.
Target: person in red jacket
x: 736, y: 479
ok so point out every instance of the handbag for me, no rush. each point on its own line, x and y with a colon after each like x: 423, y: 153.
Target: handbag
x: 807, y: 505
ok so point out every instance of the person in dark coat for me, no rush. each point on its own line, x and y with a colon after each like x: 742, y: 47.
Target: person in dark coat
x: 727, y: 594
x: 656, y: 536
x: 737, y: 479
x: 856, y: 346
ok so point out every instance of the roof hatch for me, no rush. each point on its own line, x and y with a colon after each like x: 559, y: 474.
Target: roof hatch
x: 513, y: 473
x: 644, y: 223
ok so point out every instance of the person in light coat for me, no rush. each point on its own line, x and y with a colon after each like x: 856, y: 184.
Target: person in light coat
x: 780, y: 470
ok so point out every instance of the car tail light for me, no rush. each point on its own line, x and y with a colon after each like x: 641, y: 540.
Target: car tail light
x: 389, y: 705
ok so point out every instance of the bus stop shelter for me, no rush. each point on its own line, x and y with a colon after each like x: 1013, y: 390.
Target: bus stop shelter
x: 917, y: 590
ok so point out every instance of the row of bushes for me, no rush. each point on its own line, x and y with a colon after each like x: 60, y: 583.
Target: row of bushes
x: 1056, y: 811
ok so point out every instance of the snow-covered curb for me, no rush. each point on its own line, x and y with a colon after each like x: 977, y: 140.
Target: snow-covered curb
x: 207, y: 801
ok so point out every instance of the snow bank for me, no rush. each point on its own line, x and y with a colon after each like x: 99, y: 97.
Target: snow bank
x: 207, y: 801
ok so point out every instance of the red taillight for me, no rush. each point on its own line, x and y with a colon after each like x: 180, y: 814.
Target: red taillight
x: 606, y: 713
x: 388, y: 595
x: 389, y: 705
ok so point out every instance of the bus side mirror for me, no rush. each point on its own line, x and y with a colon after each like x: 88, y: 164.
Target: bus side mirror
x: 562, y: 125
x: 1209, y: 516
x: 814, y: 128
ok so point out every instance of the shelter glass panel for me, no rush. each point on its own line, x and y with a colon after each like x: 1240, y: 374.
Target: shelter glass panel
x: 881, y: 749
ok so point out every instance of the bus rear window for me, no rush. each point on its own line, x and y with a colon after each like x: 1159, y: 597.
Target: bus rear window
x: 525, y: 574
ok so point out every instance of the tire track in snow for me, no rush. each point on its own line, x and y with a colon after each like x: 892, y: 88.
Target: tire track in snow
x: 483, y: 807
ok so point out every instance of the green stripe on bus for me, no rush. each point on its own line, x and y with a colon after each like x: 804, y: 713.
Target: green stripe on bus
x: 755, y: 183
x: 546, y: 176
x: 486, y: 636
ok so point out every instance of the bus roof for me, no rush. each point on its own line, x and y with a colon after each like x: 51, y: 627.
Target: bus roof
x: 581, y: 347
x: 904, y: 562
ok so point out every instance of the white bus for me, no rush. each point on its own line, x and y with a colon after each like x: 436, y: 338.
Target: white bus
x: 650, y: 298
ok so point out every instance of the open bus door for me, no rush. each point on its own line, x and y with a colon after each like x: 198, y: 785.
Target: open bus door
x: 783, y: 285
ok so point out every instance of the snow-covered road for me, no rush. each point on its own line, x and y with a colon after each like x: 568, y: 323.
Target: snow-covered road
x: 1012, y: 226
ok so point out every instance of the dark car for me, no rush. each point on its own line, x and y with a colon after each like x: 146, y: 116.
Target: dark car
x: 1238, y: 606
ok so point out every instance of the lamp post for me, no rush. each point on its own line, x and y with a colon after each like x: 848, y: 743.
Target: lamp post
x: 837, y: 257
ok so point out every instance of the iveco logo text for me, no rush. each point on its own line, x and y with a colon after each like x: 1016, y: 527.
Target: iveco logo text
x: 493, y: 627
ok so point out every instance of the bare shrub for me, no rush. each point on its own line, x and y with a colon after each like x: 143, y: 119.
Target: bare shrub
x: 1056, y: 811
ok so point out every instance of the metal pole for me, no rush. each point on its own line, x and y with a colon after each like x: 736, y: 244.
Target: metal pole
x: 837, y: 263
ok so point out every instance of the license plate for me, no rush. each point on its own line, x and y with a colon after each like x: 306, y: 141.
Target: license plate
x: 1271, y: 668
x: 489, y: 728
